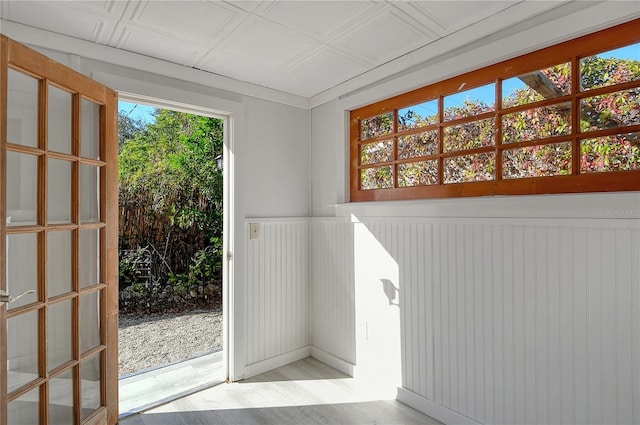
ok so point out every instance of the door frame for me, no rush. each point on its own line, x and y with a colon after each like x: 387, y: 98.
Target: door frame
x: 227, y: 210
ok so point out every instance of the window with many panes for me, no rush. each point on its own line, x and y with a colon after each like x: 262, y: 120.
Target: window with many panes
x: 560, y: 120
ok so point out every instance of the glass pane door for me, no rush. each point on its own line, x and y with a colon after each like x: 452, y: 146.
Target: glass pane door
x: 58, y: 329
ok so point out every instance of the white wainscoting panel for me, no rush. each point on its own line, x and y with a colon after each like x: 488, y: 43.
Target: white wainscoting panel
x: 501, y: 321
x: 332, y: 300
x: 277, y: 292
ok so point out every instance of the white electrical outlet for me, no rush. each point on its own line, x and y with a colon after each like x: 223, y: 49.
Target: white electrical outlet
x: 254, y: 230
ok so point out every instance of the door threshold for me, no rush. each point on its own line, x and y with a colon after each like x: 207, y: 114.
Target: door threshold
x: 148, y: 389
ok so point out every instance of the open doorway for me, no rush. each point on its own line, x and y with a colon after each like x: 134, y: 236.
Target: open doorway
x: 171, y: 253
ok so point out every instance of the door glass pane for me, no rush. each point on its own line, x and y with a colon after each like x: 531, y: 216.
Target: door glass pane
x: 90, y: 385
x: 59, y: 334
x: 89, y: 321
x: 59, y: 191
x: 90, y: 129
x: 59, y: 120
x: 22, y: 267
x: 22, y: 189
x: 25, y: 409
x: 22, y: 350
x: 22, y: 109
x: 61, y: 399
x: 89, y: 257
x: 90, y: 189
x: 58, y: 263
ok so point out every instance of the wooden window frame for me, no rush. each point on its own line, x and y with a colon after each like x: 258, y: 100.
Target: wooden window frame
x: 567, y: 52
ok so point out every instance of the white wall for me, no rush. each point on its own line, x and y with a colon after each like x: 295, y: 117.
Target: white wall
x: 276, y: 160
x: 516, y: 309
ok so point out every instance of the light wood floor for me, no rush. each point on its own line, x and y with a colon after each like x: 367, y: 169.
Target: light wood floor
x: 304, y: 392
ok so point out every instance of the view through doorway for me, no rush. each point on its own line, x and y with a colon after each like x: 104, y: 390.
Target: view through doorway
x: 170, y: 254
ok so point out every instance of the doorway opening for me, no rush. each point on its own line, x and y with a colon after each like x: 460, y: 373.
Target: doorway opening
x: 171, y: 245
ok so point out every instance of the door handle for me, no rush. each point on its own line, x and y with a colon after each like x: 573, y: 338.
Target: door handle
x: 6, y: 298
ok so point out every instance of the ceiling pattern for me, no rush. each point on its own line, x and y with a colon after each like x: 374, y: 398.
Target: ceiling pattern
x: 297, y: 47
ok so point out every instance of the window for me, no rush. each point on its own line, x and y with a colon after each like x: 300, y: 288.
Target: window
x: 560, y: 120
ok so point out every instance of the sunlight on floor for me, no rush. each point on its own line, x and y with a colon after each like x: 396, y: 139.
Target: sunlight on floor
x: 302, y: 392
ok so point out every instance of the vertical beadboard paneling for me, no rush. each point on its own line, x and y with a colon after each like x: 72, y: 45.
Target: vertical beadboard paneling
x: 625, y: 283
x: 277, y: 289
x: 547, y: 312
x: 332, y: 308
x: 501, y: 321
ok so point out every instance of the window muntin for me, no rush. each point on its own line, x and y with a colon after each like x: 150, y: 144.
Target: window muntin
x: 539, y: 122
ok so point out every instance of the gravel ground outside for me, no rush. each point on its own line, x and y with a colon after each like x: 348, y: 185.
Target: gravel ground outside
x: 147, y: 342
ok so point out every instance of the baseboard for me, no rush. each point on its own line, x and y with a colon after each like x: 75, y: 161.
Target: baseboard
x: 335, y: 362
x: 436, y: 411
x: 276, y: 362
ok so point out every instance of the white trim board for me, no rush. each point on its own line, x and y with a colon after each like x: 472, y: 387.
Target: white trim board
x: 436, y: 411
x: 333, y: 361
x: 276, y: 362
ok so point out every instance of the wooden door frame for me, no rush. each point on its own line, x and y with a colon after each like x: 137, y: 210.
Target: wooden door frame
x: 17, y: 55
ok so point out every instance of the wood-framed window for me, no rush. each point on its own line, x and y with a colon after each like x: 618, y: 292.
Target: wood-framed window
x: 565, y: 119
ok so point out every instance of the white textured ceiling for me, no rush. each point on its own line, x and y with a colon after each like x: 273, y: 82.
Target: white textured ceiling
x: 298, y: 47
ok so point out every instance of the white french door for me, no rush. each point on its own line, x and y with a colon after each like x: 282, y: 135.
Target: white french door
x: 58, y: 243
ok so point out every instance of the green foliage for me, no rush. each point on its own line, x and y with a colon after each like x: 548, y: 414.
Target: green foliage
x: 171, y: 197
x: 205, y: 269
x: 170, y: 165
x: 128, y: 128
x: 131, y: 265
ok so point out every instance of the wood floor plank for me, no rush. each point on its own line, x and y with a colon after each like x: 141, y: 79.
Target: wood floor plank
x: 306, y: 392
